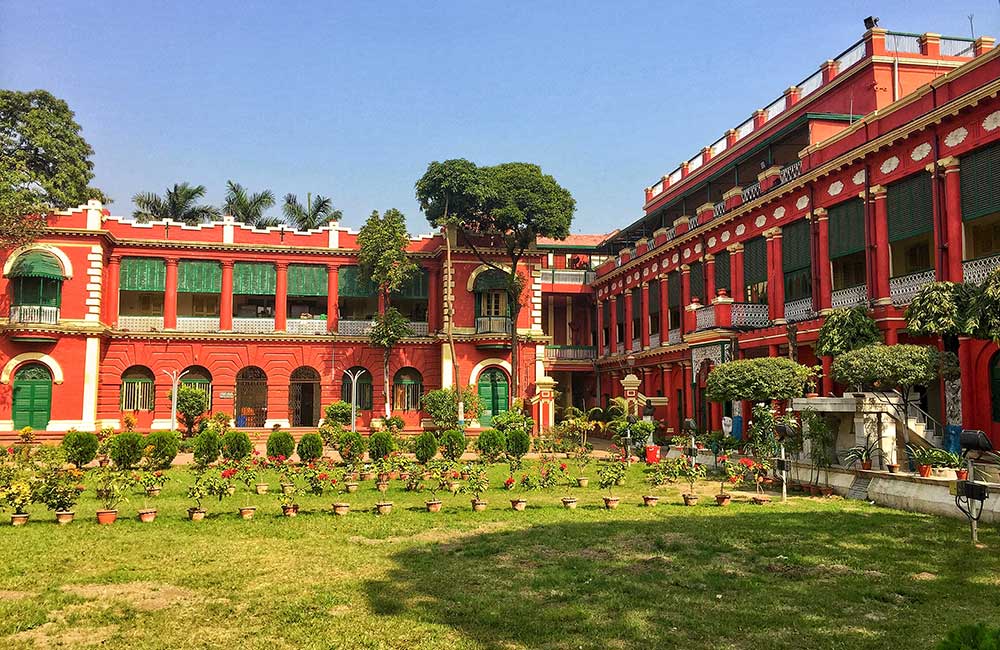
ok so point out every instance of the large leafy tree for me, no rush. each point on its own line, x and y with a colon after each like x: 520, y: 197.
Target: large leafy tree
x: 179, y: 203
x: 44, y: 163
x: 846, y: 329
x: 884, y: 367
x: 249, y: 208
x: 315, y: 213
x: 382, y: 244
x: 758, y: 380
x: 450, y: 193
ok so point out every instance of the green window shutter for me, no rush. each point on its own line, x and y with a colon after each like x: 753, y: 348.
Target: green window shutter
x: 674, y: 288
x: 795, y: 252
x: 798, y: 284
x: 254, y: 279
x: 654, y: 296
x: 697, y: 280
x: 722, y: 272
x: 620, y: 310
x: 909, y: 207
x: 36, y: 264
x: 980, y: 182
x: 307, y: 280
x: 847, y: 228
x: 351, y: 283
x: 37, y: 291
x: 197, y: 276
x: 755, y: 261
x: 142, y: 274
x: 415, y: 287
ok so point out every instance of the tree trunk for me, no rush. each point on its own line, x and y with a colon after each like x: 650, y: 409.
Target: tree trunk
x: 385, y: 380
x: 450, y: 309
x: 514, y: 292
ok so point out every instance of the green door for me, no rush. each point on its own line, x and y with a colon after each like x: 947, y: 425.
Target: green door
x: 493, y: 395
x: 32, y: 397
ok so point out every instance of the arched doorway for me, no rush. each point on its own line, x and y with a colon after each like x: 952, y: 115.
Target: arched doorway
x: 251, y: 397
x: 32, y: 402
x: 494, y: 397
x: 365, y: 395
x: 304, y: 397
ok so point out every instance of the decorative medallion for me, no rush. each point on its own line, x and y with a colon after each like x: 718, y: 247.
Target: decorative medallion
x: 920, y: 151
x: 645, y: 272
x: 889, y: 165
x: 992, y: 121
x: 674, y: 258
x: 654, y: 267
x: 956, y: 137
x: 835, y: 188
x: 725, y: 236
x: 711, y: 242
x: 697, y: 247
x: 802, y: 202
x: 687, y: 253
x: 760, y: 221
x: 859, y: 177
x: 779, y: 212
x: 740, y: 229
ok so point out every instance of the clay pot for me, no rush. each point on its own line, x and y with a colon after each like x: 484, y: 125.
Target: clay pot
x: 341, y: 509
x: 813, y: 490
x: 103, y: 461
x: 811, y: 395
x: 247, y: 512
x: 478, y: 505
x: 106, y: 517
x: 962, y: 474
x: 582, y: 481
x: 433, y: 506
x: 231, y: 490
x: 723, y: 499
x: 385, y: 477
x: 866, y: 464
x: 262, y: 488
x: 153, y: 491
x: 18, y: 520
x: 63, y: 517
x: 465, y: 476
x: 650, y: 500
x: 453, y: 487
x: 924, y: 470
x: 611, y: 502
x: 196, y: 514
x: 519, y: 504
x: 147, y: 516
x: 367, y: 476
x: 290, y: 510
x: 383, y: 508
x: 404, y: 476
x: 382, y: 486
x: 569, y: 503
x: 287, y: 488
x: 893, y: 468
x: 690, y: 499
x: 351, y: 487
x: 760, y: 500
x: 393, y: 475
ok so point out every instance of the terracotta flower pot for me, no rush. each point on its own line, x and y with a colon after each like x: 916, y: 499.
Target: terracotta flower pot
x: 351, y: 487
x: 147, y: 516
x: 393, y: 475
x: 582, y: 481
x: 341, y: 509
x: 893, y: 468
x: 231, y: 490
x: 962, y: 474
x: 924, y: 470
x: 433, y: 506
x: 478, y: 505
x: 611, y: 502
x: 813, y: 490
x: 382, y: 486
x: 262, y: 488
x: 247, y: 512
x: 650, y: 500
x: 811, y: 395
x: 287, y: 488
x: 723, y: 499
x: 63, y: 517
x: 367, y: 476
x: 519, y: 504
x: 103, y: 461
x: 196, y: 514
x: 18, y: 519
x: 383, y: 508
x: 866, y: 464
x: 760, y: 499
x: 153, y: 491
x: 454, y: 487
x: 569, y: 503
x: 465, y: 476
x: 690, y: 499
x: 106, y: 517
x: 290, y: 510
x: 404, y: 476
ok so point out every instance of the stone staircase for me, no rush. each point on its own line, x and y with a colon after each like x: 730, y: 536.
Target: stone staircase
x: 859, y: 488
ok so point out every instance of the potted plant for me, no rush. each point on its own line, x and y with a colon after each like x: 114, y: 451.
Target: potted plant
x: 439, y: 471
x: 288, y: 506
x: 17, y: 497
x: 59, y: 489
x: 198, y: 493
x: 812, y: 382
x: 610, y: 474
x: 478, y: 483
x: 113, y: 485
x: 367, y: 473
x: 862, y: 454
x: 152, y: 482
x: 691, y: 472
x: 922, y: 457
x: 246, y: 471
x: 582, y: 457
x: 733, y: 475
x: 947, y: 464
x: 383, y: 507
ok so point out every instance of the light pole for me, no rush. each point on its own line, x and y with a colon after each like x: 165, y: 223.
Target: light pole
x: 175, y: 378
x: 354, y: 376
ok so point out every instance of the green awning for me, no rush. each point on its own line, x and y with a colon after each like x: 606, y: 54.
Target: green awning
x: 847, y: 228
x: 351, y: 283
x: 196, y: 276
x: 909, y: 207
x: 491, y: 280
x: 37, y: 264
x: 142, y: 274
x: 254, y: 279
x: 307, y: 280
x: 415, y: 287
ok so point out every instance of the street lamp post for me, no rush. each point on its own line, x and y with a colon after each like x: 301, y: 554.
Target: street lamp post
x: 175, y: 378
x: 354, y: 376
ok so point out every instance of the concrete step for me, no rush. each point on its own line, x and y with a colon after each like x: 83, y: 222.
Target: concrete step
x: 859, y: 488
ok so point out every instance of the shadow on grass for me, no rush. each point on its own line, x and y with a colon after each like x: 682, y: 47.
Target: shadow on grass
x: 747, y: 577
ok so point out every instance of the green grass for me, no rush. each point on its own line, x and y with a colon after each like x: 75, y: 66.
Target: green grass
x: 811, y: 573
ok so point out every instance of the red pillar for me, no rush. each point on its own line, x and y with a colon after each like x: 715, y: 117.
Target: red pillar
x: 688, y: 391
x: 881, y: 241
x: 685, y: 297
x: 736, y: 272
x: 953, y: 219
x: 629, y: 330
x: 601, y: 343
x: 226, y: 299
x: 644, y: 315
x: 709, y: 278
x: 823, y: 261
x: 281, y: 297
x: 333, y: 299
x: 613, y: 327
x: 111, y: 291
x: 170, y: 295
x: 777, y: 277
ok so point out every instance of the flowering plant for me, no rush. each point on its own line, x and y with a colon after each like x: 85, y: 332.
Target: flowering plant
x: 59, y: 489
x: 529, y: 482
x: 666, y: 471
x: 611, y: 473
x: 692, y: 472
x: 478, y: 482
x: 508, y: 483
x: 152, y: 479
x: 220, y: 485
x: 317, y: 479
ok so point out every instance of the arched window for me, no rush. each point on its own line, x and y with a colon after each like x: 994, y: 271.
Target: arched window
x: 251, y: 397
x: 36, y: 279
x: 407, y: 388
x: 364, y: 382
x: 199, y: 377
x: 137, y: 391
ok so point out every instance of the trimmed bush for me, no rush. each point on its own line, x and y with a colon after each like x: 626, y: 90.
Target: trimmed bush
x: 492, y: 445
x: 381, y: 444
x: 453, y: 444
x: 280, y: 443
x: 80, y: 447
x: 331, y: 432
x: 310, y: 447
x: 352, y: 447
x: 758, y: 380
x: 236, y: 445
x: 206, y: 446
x: 425, y: 447
x: 395, y: 423
x: 125, y: 449
x: 338, y: 412
x: 164, y: 447
x: 518, y: 443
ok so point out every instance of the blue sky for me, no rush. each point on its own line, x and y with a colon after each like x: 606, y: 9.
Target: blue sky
x: 352, y: 100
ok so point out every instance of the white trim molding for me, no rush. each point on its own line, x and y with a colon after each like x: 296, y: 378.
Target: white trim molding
x: 67, y: 266
x: 25, y: 357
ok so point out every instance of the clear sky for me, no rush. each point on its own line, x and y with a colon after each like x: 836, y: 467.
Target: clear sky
x: 353, y: 99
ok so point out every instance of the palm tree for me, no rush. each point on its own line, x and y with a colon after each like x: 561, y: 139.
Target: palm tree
x: 314, y: 214
x: 178, y: 204
x: 249, y: 208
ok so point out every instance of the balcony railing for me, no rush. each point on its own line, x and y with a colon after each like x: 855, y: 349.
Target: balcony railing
x: 636, y: 345
x: 253, y: 325
x: 790, y: 171
x: 140, y: 323
x: 850, y: 297
x: 750, y: 315
x: 674, y: 336
x: 903, y: 288
x: 751, y: 192
x: 195, y: 324
x: 654, y: 340
x: 567, y: 276
x: 492, y: 325
x: 34, y: 314
x: 570, y: 352
x: 976, y: 270
x: 354, y: 327
x: 799, y: 310
x: 719, y: 209
x: 419, y: 328
x: 306, y: 326
x: 704, y: 318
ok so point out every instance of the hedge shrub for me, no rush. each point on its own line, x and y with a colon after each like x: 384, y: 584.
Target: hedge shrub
x: 164, y: 447
x: 236, y: 445
x: 425, y: 447
x: 518, y: 444
x: 206, y: 447
x: 352, y: 447
x: 339, y: 411
x: 758, y: 380
x: 280, y: 443
x: 381, y: 444
x: 310, y: 447
x: 80, y: 447
x: 492, y: 445
x: 453, y: 444
x: 125, y: 449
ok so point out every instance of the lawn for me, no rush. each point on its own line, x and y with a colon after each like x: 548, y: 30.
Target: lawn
x: 811, y: 573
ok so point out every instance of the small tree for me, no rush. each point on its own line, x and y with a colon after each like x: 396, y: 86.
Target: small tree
x: 192, y: 403
x: 846, y: 329
x: 884, y: 367
x: 757, y: 380
x: 442, y: 405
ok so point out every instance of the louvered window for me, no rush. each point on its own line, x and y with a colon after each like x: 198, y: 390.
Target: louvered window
x: 697, y: 280
x: 796, y: 261
x: 722, y: 273
x: 980, y: 182
x: 755, y: 270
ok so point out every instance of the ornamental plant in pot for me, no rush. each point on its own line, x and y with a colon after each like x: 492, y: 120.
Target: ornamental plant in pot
x: 341, y: 508
x: 922, y: 457
x: 247, y: 470
x: 113, y: 486
x: 288, y: 506
x: 197, y: 492
x: 440, y: 470
x: 862, y: 454
x: 383, y: 507
x: 59, y: 489
x: 478, y: 483
x: 17, y: 497
x: 609, y: 474
x: 582, y: 458
x: 733, y: 474
x: 153, y: 482
x: 691, y: 472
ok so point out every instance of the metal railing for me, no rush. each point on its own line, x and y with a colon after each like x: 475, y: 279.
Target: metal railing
x: 253, y: 325
x: 704, y: 318
x: 850, y: 57
x: 140, y: 323
x: 419, y: 328
x: 673, y: 336
x: 567, y: 276
x: 976, y: 270
x: 306, y: 326
x: 790, y: 171
x: 750, y: 315
x: 570, y: 352
x: 492, y: 325
x: 636, y: 345
x: 197, y: 324
x: 719, y: 209
x: 810, y: 84
x: 905, y: 43
x: 34, y: 314
x: 799, y: 310
x: 903, y: 288
x: 776, y: 108
x: 354, y: 327
x: 957, y: 47
x: 751, y: 192
x: 654, y: 340
x: 849, y: 297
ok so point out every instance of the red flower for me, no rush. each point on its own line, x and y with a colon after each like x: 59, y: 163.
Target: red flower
x: 256, y: 452
x: 323, y: 476
x: 228, y: 473
x: 746, y: 462
x: 10, y: 450
x: 723, y: 458
x: 281, y: 458
x: 562, y: 467
x: 509, y: 481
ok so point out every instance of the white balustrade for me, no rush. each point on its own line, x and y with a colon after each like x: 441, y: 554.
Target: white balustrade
x: 140, y: 323
x: 636, y: 345
x: 674, y: 336
x: 902, y: 43
x: 749, y: 315
x: 654, y: 340
x: 903, y: 288
x: 493, y: 325
x: 799, y: 310
x: 418, y: 328
x: 976, y: 270
x: 850, y: 297
x: 354, y: 327
x: 957, y: 47
x: 776, y: 108
x: 567, y: 276
x: 704, y: 318
x: 569, y: 352
x: 253, y: 325
x: 811, y: 84
x: 37, y: 314
x: 852, y: 56
x: 719, y: 209
x: 197, y: 324
x: 306, y: 326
